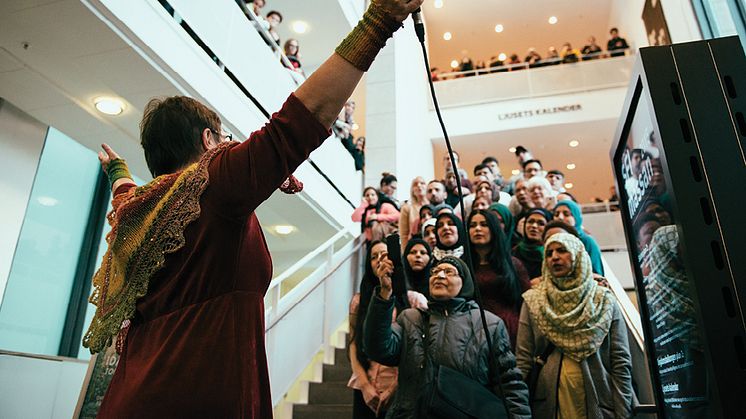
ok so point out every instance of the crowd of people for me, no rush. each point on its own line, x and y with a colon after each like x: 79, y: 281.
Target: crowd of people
x: 270, y: 22
x: 615, y: 47
x: 559, y: 342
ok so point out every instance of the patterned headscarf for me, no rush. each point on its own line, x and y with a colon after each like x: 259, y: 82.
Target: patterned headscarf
x: 573, y: 312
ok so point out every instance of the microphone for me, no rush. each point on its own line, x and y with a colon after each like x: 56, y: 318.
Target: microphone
x: 419, y: 27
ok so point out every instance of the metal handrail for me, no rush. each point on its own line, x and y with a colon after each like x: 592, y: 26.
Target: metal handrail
x: 600, y: 207
x: 266, y: 36
x: 527, y: 66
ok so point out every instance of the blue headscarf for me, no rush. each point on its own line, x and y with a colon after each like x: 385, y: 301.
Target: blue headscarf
x: 590, y: 244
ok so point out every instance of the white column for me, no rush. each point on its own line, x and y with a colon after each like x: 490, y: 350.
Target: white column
x: 397, y: 114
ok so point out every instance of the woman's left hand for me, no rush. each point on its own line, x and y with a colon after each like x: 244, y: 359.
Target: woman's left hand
x: 106, y: 156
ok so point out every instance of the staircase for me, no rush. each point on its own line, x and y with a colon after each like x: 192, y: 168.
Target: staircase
x: 330, y: 399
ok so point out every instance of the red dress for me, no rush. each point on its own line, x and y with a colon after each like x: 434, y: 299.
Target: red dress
x: 195, y: 347
x: 495, y: 303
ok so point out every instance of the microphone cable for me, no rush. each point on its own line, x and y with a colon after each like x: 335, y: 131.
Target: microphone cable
x: 419, y: 28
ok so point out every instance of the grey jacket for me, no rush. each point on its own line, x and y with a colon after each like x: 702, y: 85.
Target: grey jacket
x: 456, y: 340
x: 607, y: 374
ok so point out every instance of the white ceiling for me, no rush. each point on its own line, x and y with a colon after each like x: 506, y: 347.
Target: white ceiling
x: 472, y: 25
x: 72, y: 57
x: 592, y: 176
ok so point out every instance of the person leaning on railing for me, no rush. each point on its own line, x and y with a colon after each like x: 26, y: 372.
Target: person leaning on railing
x: 182, y: 283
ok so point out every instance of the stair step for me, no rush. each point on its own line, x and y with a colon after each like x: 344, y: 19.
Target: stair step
x: 339, y: 372
x: 340, y: 355
x: 327, y: 411
x: 329, y: 393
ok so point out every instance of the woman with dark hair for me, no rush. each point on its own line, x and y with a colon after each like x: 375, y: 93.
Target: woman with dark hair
x: 530, y: 248
x: 448, y: 333
x: 570, y: 212
x: 501, y: 277
x: 418, y: 258
x: 557, y: 226
x: 375, y: 216
x: 372, y: 383
x: 388, y: 187
x: 577, y: 327
x: 450, y: 237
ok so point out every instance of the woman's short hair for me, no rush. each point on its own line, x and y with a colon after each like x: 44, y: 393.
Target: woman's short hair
x: 540, y: 181
x: 171, y: 132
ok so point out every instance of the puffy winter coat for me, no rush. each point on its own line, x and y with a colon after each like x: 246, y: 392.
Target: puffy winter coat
x: 456, y: 340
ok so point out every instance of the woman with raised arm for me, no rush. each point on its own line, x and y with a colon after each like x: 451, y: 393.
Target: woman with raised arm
x: 448, y: 333
x: 181, y: 287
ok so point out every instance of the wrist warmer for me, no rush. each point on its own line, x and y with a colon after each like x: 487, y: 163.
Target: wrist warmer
x: 117, y: 169
x: 361, y: 46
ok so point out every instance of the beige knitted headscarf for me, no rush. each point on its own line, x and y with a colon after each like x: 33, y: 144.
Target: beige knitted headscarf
x: 573, y: 312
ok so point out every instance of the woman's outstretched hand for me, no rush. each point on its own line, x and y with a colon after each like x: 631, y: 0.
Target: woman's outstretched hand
x: 383, y: 272
x: 106, y: 156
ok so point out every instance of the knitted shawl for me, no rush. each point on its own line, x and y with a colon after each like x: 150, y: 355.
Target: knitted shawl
x: 147, y: 223
x: 573, y: 312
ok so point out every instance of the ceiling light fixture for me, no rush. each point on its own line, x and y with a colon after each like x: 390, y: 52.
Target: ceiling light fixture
x: 355, y: 126
x: 438, y: 4
x: 447, y: 36
x: 299, y: 26
x: 109, y: 105
x: 283, y: 230
x: 512, y: 149
x: 552, y: 20
x: 498, y: 28
x: 574, y: 143
x: 570, y: 166
x: 568, y: 185
x: 454, y: 63
x: 502, y: 56
x: 515, y: 171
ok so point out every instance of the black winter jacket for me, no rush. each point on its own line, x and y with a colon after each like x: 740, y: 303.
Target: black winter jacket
x: 456, y: 340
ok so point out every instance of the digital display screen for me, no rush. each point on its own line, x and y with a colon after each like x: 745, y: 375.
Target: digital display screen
x: 678, y: 345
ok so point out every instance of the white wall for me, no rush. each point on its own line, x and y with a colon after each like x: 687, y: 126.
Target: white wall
x: 21, y: 142
x: 680, y: 17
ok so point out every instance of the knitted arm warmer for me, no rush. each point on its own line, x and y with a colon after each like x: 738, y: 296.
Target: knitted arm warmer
x: 361, y: 46
x: 117, y: 169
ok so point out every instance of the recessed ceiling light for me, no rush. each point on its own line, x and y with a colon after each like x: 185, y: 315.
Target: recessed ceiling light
x: 47, y: 201
x: 355, y: 126
x: 438, y: 4
x: 299, y: 26
x: 515, y: 171
x: 502, y: 56
x: 454, y: 63
x: 283, y: 230
x: 498, y: 28
x: 447, y: 36
x: 109, y: 105
x: 512, y: 149
x: 570, y: 166
x: 568, y: 185
x: 552, y: 20
x: 574, y: 143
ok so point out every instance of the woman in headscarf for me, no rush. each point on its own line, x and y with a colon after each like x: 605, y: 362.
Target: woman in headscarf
x: 570, y: 213
x: 501, y: 277
x: 418, y: 257
x: 450, y: 237
x: 530, y: 248
x: 410, y: 210
x: 576, y: 324
x: 452, y: 328
x: 372, y: 383
x: 375, y: 216
x: 429, y: 234
x: 507, y: 222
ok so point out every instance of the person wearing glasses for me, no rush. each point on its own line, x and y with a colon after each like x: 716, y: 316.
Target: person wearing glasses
x: 180, y: 292
x: 455, y: 338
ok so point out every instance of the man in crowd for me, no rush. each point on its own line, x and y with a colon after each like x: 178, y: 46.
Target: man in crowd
x: 557, y: 180
x: 532, y: 168
x: 436, y: 192
x: 494, y: 165
x: 616, y: 44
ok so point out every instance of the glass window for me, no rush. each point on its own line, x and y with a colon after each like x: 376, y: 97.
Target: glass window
x: 35, y: 303
x: 718, y: 18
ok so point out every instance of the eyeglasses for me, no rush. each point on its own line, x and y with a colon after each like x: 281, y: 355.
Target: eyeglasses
x: 227, y: 137
x: 447, y: 271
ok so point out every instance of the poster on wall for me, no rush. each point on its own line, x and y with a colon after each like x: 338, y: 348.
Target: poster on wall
x: 655, y: 23
x: 678, y: 346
